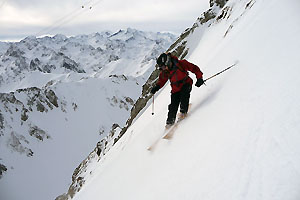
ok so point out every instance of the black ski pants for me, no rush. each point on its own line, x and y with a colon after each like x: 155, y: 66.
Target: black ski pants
x: 181, y: 98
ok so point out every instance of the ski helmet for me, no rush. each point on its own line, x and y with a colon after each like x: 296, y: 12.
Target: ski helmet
x: 163, y: 60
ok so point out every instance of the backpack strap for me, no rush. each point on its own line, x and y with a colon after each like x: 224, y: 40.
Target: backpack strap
x: 176, y: 66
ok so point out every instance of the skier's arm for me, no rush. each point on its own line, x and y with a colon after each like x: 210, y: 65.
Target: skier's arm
x: 163, y: 78
x: 195, y: 69
x: 191, y: 67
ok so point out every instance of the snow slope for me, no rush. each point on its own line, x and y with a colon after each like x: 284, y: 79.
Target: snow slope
x: 241, y: 139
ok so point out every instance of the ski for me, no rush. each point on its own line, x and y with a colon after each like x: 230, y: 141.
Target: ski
x: 172, y: 129
x: 152, y: 147
x: 169, y: 133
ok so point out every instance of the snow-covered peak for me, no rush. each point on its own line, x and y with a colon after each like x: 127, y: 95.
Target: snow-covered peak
x: 125, y: 34
x: 103, y: 53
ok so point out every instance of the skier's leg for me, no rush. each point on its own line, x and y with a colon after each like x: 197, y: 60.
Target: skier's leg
x: 185, y: 98
x: 173, y: 107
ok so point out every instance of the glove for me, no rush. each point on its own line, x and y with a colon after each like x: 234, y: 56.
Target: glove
x: 155, y: 89
x: 199, y: 82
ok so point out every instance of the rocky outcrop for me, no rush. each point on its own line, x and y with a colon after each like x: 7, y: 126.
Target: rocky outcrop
x: 22, y: 103
x: 180, y: 47
x: 38, y: 133
x: 3, y: 169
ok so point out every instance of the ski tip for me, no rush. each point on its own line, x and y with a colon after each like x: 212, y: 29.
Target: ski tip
x: 152, y: 147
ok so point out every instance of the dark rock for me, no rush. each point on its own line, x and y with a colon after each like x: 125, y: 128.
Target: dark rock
x: 50, y: 94
x: 38, y: 133
x: 3, y: 169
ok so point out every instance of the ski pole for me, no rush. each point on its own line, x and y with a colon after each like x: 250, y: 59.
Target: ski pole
x: 220, y: 72
x: 153, y: 105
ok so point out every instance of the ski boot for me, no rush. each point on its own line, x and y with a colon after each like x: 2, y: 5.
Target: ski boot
x: 169, y: 124
x: 181, y: 116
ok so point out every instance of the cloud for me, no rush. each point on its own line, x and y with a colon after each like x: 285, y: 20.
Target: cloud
x: 66, y: 17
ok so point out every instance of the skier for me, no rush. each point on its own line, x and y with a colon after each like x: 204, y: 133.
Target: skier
x: 177, y: 72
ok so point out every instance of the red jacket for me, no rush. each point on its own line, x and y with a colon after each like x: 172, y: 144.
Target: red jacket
x: 178, y: 75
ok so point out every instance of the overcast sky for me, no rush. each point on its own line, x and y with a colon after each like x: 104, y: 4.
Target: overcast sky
x: 21, y: 18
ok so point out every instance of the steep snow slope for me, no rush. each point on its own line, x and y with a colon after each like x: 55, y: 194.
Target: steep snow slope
x: 59, y: 97
x: 241, y: 140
